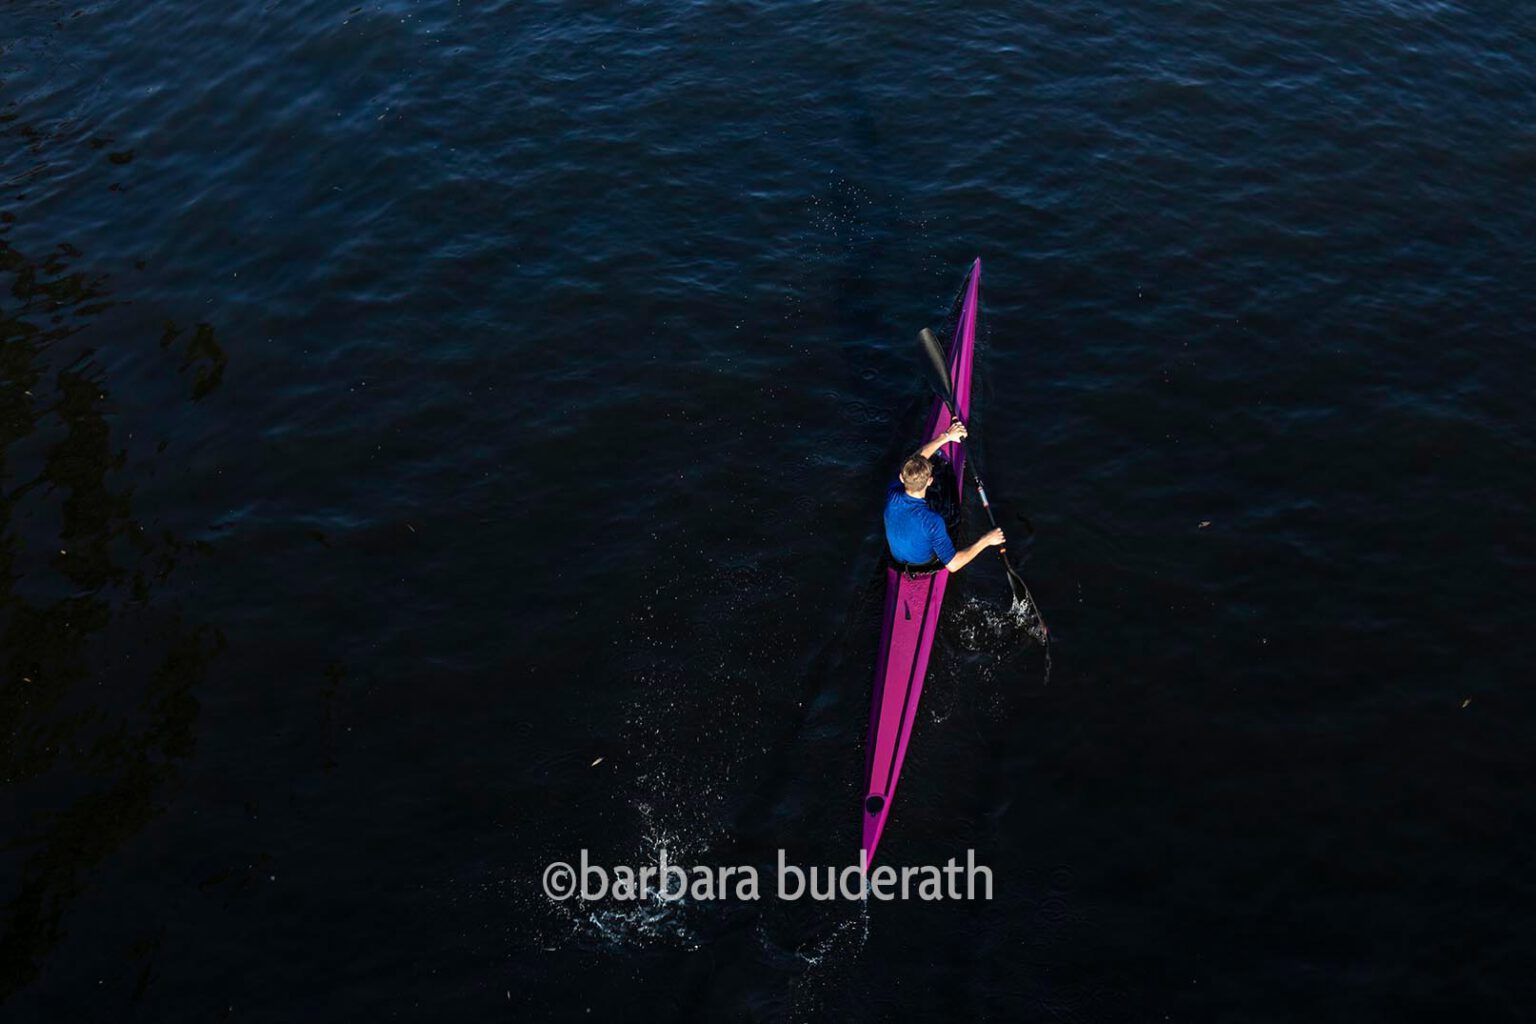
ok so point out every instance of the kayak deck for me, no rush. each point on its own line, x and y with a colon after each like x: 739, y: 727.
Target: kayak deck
x: 912, y: 607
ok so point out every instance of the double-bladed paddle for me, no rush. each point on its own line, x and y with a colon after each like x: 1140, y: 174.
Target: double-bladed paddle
x: 937, y: 371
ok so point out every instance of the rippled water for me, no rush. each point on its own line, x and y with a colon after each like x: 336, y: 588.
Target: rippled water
x: 438, y: 438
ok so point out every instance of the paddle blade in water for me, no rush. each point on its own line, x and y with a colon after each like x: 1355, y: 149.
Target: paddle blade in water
x: 1015, y: 581
x: 1023, y: 601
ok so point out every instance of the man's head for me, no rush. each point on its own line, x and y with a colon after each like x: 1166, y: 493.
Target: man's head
x: 916, y: 474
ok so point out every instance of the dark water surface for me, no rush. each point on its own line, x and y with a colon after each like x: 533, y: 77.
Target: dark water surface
x: 404, y: 406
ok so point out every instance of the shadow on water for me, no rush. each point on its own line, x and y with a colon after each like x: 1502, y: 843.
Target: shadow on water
x: 98, y: 705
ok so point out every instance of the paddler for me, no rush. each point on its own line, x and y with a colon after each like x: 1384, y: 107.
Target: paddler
x: 915, y: 532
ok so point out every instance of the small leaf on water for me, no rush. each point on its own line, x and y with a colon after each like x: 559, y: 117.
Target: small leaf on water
x: 1204, y: 523
x: 594, y: 764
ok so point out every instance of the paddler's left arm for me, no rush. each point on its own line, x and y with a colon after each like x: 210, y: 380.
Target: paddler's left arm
x: 955, y: 432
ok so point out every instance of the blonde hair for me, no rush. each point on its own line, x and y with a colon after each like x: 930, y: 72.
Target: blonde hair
x: 916, y: 472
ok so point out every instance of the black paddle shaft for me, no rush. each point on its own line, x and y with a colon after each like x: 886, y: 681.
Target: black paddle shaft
x: 944, y: 387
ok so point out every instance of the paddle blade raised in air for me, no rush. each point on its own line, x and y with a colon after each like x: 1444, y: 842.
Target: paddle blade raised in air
x: 936, y: 367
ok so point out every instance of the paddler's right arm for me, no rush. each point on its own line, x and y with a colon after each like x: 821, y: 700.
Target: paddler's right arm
x: 954, y: 432
x: 963, y: 558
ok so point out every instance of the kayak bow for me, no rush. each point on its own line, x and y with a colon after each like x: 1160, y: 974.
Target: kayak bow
x: 912, y: 605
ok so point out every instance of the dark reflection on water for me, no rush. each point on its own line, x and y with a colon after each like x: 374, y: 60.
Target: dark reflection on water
x: 98, y: 700
x: 200, y: 353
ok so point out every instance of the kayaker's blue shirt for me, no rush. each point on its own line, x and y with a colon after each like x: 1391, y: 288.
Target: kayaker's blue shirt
x: 915, y: 532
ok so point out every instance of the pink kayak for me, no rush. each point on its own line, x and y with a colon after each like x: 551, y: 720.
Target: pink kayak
x: 912, y: 606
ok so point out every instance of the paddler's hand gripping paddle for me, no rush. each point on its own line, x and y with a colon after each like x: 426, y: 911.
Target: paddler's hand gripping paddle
x: 937, y: 368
